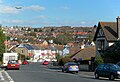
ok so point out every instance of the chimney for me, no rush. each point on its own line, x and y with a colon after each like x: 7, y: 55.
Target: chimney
x: 118, y: 27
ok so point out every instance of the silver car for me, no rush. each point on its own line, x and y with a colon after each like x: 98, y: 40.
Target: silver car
x: 70, y: 67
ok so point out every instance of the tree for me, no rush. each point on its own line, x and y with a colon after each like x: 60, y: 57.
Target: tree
x: 35, y: 30
x: 29, y: 29
x: 52, y: 29
x: 98, y: 60
x: 2, y: 45
x: 112, y: 53
x: 90, y: 37
x: 40, y: 30
x: 32, y: 34
x: 63, y: 39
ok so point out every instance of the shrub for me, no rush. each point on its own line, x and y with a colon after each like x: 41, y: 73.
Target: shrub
x: 58, y: 57
x: 98, y: 60
x: 28, y: 58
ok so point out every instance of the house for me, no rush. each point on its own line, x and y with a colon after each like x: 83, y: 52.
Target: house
x: 25, y: 49
x: 84, y: 54
x: 107, y: 34
x: 37, y: 54
x: 84, y: 57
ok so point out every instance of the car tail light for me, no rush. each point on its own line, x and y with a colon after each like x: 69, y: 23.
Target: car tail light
x: 68, y: 66
x: 78, y: 66
x: 9, y: 64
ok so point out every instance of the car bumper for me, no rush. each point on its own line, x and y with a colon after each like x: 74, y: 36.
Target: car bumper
x: 118, y: 76
x: 13, y: 67
x: 73, y: 70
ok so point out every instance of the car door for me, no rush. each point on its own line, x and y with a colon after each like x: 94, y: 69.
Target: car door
x: 100, y: 69
x: 106, y: 70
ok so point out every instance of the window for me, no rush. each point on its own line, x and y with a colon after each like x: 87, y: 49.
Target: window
x: 22, y: 51
x: 100, y: 44
x: 115, y: 67
x: 100, y: 66
x: 106, y: 67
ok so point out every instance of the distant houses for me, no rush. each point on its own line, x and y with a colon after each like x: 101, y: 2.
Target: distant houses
x: 37, y: 54
x: 32, y: 42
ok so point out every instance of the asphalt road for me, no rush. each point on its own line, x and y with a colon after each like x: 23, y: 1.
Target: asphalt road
x: 35, y: 72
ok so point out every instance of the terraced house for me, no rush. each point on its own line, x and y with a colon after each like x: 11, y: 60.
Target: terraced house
x: 106, y: 35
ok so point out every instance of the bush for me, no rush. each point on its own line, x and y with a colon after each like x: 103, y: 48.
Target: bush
x: 98, y: 60
x: 58, y: 57
x: 28, y: 58
x: 21, y: 57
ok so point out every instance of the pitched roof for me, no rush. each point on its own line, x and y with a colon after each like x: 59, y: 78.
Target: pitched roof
x: 109, y: 29
x: 86, y: 53
x: 35, y: 47
x: 29, y: 47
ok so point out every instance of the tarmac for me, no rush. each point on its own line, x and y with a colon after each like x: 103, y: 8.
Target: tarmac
x: 83, y: 73
x: 86, y: 74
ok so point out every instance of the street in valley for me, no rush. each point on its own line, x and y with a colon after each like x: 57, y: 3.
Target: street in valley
x: 36, y: 72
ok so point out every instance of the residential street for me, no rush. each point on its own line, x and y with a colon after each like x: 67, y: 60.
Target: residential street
x: 36, y: 72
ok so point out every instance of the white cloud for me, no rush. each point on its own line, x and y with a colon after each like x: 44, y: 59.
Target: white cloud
x: 12, y: 21
x: 19, y: 22
x: 83, y: 22
x: 35, y: 7
x: 7, y: 9
x: 41, y: 17
x: 12, y: 10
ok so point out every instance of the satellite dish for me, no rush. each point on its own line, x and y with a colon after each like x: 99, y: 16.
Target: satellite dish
x: 18, y: 7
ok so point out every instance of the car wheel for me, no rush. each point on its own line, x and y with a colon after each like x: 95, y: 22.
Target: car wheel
x: 96, y: 76
x: 76, y: 71
x: 112, y: 77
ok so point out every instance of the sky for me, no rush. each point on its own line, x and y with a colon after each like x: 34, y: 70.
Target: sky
x: 41, y: 13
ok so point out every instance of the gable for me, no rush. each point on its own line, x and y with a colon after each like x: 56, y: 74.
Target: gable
x: 109, y: 30
x: 100, y: 33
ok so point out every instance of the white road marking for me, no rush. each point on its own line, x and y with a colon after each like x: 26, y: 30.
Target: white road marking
x: 1, y: 76
x: 10, y: 79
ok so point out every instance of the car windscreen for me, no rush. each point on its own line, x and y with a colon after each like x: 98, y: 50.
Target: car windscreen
x: 13, y: 62
x: 72, y: 64
x: 115, y: 67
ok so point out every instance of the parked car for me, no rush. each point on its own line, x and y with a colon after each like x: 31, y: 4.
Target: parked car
x: 70, y: 67
x: 55, y: 63
x: 25, y: 62
x: 13, y: 64
x: 45, y: 63
x: 110, y: 71
x: 118, y: 63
